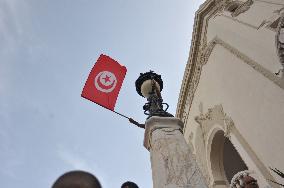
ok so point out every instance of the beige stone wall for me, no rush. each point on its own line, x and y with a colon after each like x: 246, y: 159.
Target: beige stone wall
x: 253, y: 102
x: 249, y: 32
x: 236, y: 90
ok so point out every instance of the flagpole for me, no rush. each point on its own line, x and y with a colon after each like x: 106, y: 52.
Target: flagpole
x: 130, y: 120
x: 121, y: 114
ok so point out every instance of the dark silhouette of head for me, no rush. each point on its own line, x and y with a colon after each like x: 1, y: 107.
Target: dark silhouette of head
x: 129, y: 184
x: 243, y: 179
x: 77, y: 179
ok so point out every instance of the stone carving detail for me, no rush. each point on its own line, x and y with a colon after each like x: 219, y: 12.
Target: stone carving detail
x: 214, y: 116
x: 221, y: 4
x: 173, y: 164
x: 280, y: 40
x: 242, y: 8
x: 227, y: 5
x: 228, y: 126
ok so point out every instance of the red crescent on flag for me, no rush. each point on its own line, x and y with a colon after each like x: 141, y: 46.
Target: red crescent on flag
x: 104, y: 86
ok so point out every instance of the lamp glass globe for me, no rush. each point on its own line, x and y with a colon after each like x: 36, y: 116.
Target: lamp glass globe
x: 146, y: 88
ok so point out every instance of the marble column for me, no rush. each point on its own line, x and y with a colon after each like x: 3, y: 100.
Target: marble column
x: 172, y: 162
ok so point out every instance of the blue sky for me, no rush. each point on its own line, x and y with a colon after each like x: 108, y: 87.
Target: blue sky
x: 47, y: 49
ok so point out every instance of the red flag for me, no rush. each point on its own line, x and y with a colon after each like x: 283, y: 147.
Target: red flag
x: 104, y: 82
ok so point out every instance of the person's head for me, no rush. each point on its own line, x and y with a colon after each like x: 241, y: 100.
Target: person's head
x: 250, y: 182
x: 243, y: 180
x: 77, y: 179
x: 129, y: 184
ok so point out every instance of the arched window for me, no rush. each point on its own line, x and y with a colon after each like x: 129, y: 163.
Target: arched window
x: 225, y: 160
x: 233, y: 162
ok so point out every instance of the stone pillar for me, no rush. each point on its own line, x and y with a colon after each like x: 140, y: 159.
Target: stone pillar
x: 173, y: 165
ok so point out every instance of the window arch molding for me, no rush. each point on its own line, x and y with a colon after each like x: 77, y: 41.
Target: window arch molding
x: 213, y: 121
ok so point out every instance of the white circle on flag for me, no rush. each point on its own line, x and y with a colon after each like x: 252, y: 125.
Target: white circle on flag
x: 105, y: 81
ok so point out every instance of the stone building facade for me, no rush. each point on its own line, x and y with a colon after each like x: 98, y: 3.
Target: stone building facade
x: 232, y: 95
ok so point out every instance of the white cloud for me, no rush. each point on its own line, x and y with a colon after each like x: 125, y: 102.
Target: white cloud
x: 18, y: 42
x: 79, y: 163
x: 13, y: 158
x: 73, y: 160
x: 12, y: 13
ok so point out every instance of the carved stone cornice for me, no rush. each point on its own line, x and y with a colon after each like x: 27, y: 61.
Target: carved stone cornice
x: 242, y: 8
x: 221, y: 4
x: 280, y: 40
x: 207, y: 9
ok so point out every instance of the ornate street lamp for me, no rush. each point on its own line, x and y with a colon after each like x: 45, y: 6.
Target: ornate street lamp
x: 164, y: 139
x: 150, y: 85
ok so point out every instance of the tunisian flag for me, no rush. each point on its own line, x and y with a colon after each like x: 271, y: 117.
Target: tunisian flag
x: 104, y: 82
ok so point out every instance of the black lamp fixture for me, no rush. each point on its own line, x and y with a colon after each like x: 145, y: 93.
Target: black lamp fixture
x: 150, y: 85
